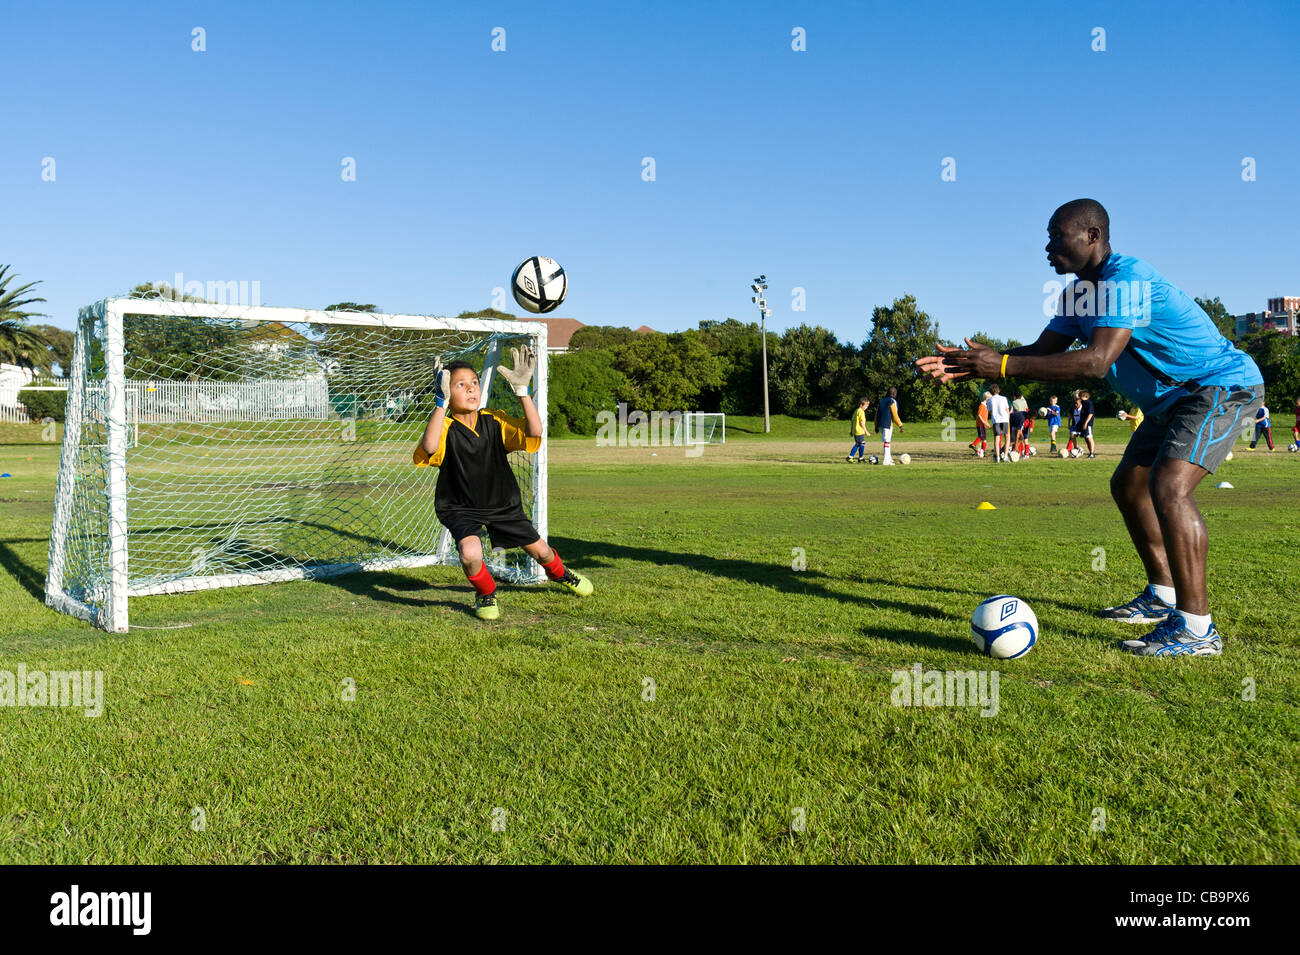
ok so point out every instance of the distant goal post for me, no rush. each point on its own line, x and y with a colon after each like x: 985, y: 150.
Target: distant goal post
x: 210, y: 445
x: 704, y: 427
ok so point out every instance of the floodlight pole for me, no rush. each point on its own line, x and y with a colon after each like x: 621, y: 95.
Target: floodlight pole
x: 759, y: 287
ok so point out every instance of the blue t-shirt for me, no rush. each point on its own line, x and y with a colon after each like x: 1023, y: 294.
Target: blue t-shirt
x: 1175, y: 346
x: 1261, y: 417
x: 1053, y: 416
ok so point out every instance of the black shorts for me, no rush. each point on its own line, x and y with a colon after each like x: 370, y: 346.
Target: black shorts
x: 1200, y: 428
x: 508, y: 529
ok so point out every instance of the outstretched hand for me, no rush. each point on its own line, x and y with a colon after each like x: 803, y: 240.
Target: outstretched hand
x: 976, y: 360
x: 521, y: 375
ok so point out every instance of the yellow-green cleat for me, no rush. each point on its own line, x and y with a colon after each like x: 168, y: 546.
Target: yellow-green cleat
x: 485, y: 607
x: 579, y: 584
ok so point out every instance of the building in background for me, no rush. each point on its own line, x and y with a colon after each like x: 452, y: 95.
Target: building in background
x: 1280, y: 316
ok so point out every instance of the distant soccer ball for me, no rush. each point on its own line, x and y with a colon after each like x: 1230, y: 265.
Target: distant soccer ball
x: 1076, y: 453
x: 979, y: 453
x: 1042, y: 412
x: 873, y: 460
x: 1064, y: 454
x: 539, y: 284
x: 1004, y: 627
x: 1229, y: 457
x: 1033, y: 452
x: 1293, y: 447
x: 905, y: 458
x: 1014, y: 456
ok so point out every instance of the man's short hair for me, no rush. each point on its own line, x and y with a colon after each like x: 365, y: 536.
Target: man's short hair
x: 893, y: 392
x: 995, y: 389
x: 1088, y: 213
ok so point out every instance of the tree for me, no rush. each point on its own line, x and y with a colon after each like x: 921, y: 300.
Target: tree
x: 1218, y: 313
x: 59, y: 348
x: 487, y: 313
x: 20, y: 344
x: 667, y: 372
x: 579, y: 386
x: 601, y: 336
x: 901, y: 333
x: 1278, y: 357
x: 739, y: 348
x: 807, y: 365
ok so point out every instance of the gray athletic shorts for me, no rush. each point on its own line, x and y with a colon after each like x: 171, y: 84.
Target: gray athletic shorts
x: 1200, y: 428
x: 1000, y: 427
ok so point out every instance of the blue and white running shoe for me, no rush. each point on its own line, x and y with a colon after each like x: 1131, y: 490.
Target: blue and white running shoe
x: 1173, y: 639
x: 1146, y: 607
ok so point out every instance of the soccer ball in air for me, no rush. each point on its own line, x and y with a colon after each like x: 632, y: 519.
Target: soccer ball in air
x: 1042, y: 412
x: 905, y: 458
x: 1004, y: 627
x: 539, y: 284
x: 873, y: 460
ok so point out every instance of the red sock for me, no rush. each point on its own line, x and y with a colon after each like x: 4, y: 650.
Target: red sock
x: 984, y: 445
x: 555, y: 569
x: 482, y: 581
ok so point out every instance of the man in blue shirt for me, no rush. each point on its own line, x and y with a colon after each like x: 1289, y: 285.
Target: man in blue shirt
x: 1158, y: 348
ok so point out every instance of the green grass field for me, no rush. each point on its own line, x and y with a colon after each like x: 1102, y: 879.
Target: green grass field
x: 771, y: 685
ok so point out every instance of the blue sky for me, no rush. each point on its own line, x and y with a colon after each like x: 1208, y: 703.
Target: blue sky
x: 821, y: 168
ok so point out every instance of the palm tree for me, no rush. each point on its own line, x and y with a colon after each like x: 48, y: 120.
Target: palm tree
x: 19, y: 345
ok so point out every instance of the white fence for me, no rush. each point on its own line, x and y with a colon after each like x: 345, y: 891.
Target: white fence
x: 179, y: 402
x: 11, y: 410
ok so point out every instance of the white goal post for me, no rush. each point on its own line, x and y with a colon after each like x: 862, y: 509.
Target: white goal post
x: 209, y: 445
x: 704, y: 427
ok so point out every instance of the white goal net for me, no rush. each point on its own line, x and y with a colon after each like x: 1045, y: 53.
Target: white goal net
x: 218, y: 445
x: 704, y: 427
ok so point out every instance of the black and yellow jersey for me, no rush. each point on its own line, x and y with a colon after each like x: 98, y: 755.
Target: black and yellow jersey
x: 473, y: 470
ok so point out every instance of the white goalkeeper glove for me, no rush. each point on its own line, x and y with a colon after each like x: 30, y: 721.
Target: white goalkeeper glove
x: 521, y: 376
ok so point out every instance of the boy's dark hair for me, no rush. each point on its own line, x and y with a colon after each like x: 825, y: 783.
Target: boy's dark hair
x: 1016, y: 393
x: 458, y: 365
x: 893, y: 392
x: 995, y: 389
x: 864, y: 401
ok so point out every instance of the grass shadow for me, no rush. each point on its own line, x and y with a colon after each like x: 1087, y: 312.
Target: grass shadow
x: 29, y: 578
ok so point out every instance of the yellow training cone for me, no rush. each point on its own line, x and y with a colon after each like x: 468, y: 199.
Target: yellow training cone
x: 985, y: 506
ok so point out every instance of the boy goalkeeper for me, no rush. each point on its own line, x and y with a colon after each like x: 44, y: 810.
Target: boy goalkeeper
x: 476, y: 487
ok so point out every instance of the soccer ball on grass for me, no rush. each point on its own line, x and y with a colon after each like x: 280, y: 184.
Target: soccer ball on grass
x: 1004, y: 627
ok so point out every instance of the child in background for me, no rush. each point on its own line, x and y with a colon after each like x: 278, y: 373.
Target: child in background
x: 1262, y: 426
x: 887, y: 419
x: 859, y: 432
x: 1134, y: 419
x: 1295, y: 432
x: 1053, y: 420
x: 1076, y: 419
x: 980, y: 444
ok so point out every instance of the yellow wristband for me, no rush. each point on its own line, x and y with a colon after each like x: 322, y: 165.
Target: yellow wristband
x: 1003, y: 373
